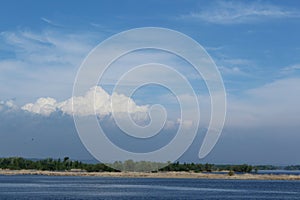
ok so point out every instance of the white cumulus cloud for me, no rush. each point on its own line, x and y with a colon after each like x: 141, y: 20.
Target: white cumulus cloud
x: 43, y: 106
x: 95, y: 101
x: 9, y: 104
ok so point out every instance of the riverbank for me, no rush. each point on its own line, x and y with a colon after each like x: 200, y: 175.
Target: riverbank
x: 153, y: 175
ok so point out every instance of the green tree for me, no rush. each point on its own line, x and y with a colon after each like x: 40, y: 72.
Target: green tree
x: 129, y: 165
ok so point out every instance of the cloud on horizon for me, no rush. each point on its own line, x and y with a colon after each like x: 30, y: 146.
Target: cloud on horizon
x: 250, y: 124
x: 272, y: 105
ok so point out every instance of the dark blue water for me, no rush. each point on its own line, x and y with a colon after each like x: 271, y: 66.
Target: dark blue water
x: 50, y: 187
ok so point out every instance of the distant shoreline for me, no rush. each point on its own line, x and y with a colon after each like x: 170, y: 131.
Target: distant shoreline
x: 154, y: 175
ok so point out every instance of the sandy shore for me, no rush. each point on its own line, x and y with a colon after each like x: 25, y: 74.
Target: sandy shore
x: 153, y: 175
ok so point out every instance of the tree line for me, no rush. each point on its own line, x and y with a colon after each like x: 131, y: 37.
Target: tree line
x: 197, y: 167
x: 66, y: 164
x: 292, y: 167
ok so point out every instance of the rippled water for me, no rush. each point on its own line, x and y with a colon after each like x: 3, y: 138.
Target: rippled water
x: 50, y: 187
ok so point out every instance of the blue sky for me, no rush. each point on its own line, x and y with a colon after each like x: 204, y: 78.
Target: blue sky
x: 255, y: 45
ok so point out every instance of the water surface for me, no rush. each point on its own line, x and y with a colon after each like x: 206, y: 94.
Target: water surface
x: 62, y: 187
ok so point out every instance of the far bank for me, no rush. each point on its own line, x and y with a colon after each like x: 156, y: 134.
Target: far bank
x: 153, y: 175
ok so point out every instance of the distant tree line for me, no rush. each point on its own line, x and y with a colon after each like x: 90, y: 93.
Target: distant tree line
x: 17, y: 163
x: 207, y: 167
x: 244, y: 168
x: 66, y: 164
x: 267, y: 167
x: 271, y: 167
x: 195, y: 167
x: 292, y: 167
x: 141, y: 166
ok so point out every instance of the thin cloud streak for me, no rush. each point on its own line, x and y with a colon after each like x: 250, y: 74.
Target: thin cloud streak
x: 50, y: 22
x: 229, y: 12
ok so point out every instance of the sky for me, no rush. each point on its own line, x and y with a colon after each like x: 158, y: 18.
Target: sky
x: 254, y: 44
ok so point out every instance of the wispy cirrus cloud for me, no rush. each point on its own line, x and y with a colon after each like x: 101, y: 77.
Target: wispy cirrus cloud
x: 271, y: 105
x: 50, y: 22
x: 41, y: 63
x: 47, y: 47
x: 234, y: 66
x: 239, y: 12
x: 52, y: 57
x: 290, y: 69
